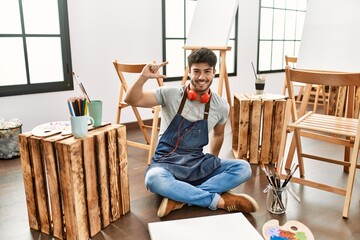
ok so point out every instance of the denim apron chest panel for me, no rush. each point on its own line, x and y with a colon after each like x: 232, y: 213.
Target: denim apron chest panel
x: 180, y: 148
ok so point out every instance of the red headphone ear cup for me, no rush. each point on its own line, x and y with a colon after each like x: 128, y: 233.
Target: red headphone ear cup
x: 192, y: 95
x: 205, y: 98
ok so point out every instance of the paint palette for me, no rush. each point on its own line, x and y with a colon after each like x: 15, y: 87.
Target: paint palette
x: 291, y: 230
x: 52, y: 128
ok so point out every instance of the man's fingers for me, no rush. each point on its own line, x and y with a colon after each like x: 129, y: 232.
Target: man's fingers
x: 161, y: 76
x: 163, y: 64
x: 154, y: 68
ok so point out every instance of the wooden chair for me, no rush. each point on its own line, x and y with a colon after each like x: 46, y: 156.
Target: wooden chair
x: 291, y: 61
x: 315, y: 93
x: 150, y: 140
x: 332, y: 129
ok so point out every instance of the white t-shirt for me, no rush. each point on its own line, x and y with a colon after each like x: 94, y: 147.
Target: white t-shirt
x: 170, y: 97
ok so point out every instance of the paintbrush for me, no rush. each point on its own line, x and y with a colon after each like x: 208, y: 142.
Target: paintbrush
x: 262, y: 166
x: 289, y: 176
x: 272, y: 183
x: 252, y: 64
x: 77, y: 78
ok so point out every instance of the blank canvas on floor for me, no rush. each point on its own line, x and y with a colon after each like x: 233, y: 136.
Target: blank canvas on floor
x: 226, y: 226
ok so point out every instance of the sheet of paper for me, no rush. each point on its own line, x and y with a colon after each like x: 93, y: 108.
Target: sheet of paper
x: 226, y: 226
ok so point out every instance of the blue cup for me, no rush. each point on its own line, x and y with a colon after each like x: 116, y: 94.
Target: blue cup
x: 79, y: 125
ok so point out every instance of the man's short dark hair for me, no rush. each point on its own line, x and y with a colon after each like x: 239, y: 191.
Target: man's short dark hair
x: 202, y: 55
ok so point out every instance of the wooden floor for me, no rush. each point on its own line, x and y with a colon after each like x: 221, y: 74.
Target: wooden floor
x: 320, y: 211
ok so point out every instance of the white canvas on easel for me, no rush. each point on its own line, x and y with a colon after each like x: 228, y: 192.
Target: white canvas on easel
x: 331, y: 36
x: 226, y: 226
x: 212, y: 22
x: 211, y: 27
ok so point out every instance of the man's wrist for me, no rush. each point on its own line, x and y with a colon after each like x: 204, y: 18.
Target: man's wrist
x: 143, y: 78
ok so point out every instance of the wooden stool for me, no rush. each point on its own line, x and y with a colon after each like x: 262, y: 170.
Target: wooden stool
x: 75, y: 187
x: 251, y: 116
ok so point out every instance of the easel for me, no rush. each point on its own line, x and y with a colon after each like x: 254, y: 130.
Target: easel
x: 223, y: 75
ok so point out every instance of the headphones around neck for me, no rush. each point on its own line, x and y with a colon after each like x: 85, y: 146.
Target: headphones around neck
x: 192, y: 95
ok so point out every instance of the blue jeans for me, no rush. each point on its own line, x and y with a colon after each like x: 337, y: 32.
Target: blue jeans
x: 204, y: 192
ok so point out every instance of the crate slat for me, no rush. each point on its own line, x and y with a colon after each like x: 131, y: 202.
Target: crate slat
x: 91, y: 186
x: 279, y: 116
x: 114, y: 175
x: 255, y: 131
x: 40, y: 185
x: 244, y: 129
x: 54, y: 188
x: 103, y: 179
x: 67, y: 191
x: 28, y: 181
x: 266, y: 135
x: 124, y: 171
x: 77, y: 160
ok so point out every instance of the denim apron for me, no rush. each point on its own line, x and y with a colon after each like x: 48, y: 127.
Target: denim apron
x: 180, y: 148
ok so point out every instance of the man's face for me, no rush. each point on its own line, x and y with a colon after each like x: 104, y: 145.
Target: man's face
x: 201, y: 76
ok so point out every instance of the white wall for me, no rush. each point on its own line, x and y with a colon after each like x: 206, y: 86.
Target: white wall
x: 130, y: 31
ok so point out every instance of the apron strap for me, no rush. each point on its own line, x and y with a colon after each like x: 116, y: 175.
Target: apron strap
x: 183, y: 100
x: 207, y: 109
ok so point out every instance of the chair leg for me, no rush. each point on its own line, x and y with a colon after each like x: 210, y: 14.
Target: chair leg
x: 185, y: 77
x: 154, y: 130
x: 291, y: 154
x: 316, y: 101
x: 141, y: 125
x: 284, y: 88
x: 118, y: 112
x: 351, y: 178
x: 300, y: 94
x: 346, y: 158
x: 324, y: 98
x: 299, y: 152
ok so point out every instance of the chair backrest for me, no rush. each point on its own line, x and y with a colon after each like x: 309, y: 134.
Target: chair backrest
x: 290, y: 61
x: 327, y: 78
x: 122, y: 68
x: 131, y: 68
x: 126, y: 68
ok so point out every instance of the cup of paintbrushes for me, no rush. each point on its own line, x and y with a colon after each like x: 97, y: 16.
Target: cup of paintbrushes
x: 276, y: 199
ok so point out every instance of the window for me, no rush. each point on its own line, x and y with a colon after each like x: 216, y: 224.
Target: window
x: 35, y: 47
x: 177, y: 16
x: 280, y: 29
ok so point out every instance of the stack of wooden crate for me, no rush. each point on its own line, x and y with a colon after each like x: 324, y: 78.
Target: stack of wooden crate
x: 75, y: 187
x: 257, y: 128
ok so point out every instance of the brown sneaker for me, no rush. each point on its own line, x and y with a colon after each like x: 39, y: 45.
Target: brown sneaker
x: 235, y: 202
x: 168, y: 205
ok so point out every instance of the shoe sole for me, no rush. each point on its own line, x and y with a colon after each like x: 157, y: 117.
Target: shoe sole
x: 162, y: 207
x: 247, y: 197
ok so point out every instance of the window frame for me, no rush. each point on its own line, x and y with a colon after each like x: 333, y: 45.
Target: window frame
x: 186, y: 52
x: 32, y: 88
x: 272, y: 40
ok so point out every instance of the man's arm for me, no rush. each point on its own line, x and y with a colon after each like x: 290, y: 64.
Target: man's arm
x: 217, y: 139
x: 135, y: 95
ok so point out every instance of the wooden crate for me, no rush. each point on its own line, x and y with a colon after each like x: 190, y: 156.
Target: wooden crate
x: 257, y: 128
x: 75, y: 187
